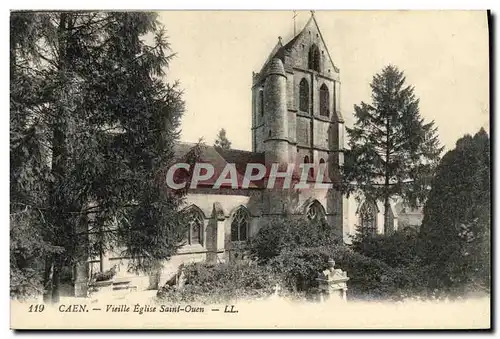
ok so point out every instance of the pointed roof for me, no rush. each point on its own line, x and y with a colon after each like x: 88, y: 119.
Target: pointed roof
x: 275, y: 50
x: 280, y: 50
x: 313, y: 19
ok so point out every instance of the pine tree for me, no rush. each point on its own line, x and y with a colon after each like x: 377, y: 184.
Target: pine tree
x: 222, y: 141
x: 455, y: 232
x: 93, y: 128
x: 30, y: 173
x: 392, y: 150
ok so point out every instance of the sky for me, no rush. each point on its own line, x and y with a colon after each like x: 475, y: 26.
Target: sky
x: 444, y: 55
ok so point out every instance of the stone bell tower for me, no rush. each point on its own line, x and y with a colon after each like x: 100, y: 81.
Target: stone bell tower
x: 274, y: 138
x: 296, y: 114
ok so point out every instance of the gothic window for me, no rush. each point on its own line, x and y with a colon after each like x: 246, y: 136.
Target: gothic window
x: 314, y: 58
x: 239, y: 225
x: 304, y: 96
x: 261, y: 102
x: 368, y: 217
x: 195, y: 221
x: 323, y: 169
x: 324, y: 101
x: 315, y: 212
x: 306, y: 161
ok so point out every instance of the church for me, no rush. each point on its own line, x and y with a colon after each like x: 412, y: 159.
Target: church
x: 296, y: 118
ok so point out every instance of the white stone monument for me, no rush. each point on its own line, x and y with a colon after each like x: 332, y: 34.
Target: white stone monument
x: 333, y: 281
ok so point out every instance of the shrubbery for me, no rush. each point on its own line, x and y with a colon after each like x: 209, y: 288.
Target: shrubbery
x: 292, y: 252
x: 297, y: 250
x: 399, y: 249
x: 106, y: 275
x: 369, y: 278
x: 24, y: 283
x: 206, y: 283
x: 298, y: 268
x: 286, y: 233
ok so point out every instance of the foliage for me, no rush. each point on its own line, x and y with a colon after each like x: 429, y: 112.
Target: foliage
x: 298, y: 267
x: 297, y: 249
x: 454, y: 240
x: 206, y: 283
x: 293, y: 256
x: 392, y: 150
x: 396, y: 250
x: 222, y: 141
x: 285, y: 233
x: 106, y: 275
x: 93, y: 127
x: 27, y: 250
x: 369, y: 278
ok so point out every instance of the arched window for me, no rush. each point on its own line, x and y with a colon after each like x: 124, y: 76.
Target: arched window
x: 261, y: 102
x: 195, y: 219
x: 315, y: 212
x: 310, y: 173
x: 314, y: 58
x: 322, y: 166
x: 324, y: 101
x: 304, y: 96
x: 239, y: 225
x: 368, y: 217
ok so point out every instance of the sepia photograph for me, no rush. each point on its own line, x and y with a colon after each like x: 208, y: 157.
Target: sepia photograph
x: 258, y: 169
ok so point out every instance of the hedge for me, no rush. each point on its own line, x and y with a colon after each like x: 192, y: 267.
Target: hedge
x: 208, y: 283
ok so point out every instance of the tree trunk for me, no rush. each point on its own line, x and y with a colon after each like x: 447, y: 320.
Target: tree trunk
x: 47, y: 279
x: 59, y: 162
x: 387, y: 222
x: 387, y: 227
x: 56, y: 281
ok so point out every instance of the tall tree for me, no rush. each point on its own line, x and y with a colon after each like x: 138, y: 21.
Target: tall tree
x: 98, y: 128
x: 455, y: 232
x: 30, y: 171
x: 392, y: 150
x: 222, y: 141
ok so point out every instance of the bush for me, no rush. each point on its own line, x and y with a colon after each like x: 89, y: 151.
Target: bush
x: 207, y: 283
x: 28, y: 250
x: 369, y: 278
x: 298, y: 268
x: 401, y: 252
x: 399, y: 249
x: 287, y: 233
x: 25, y: 283
x: 106, y: 275
x: 297, y: 249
